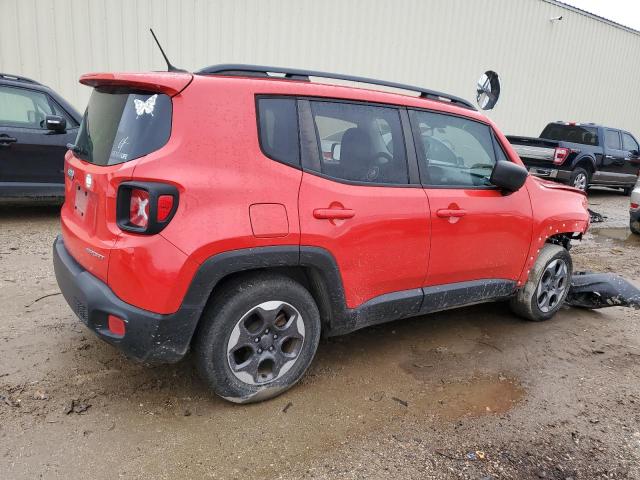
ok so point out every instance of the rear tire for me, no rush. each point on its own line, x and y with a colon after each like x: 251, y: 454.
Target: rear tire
x: 258, y: 336
x: 626, y: 191
x: 580, y: 179
x: 634, y: 225
x: 547, y: 286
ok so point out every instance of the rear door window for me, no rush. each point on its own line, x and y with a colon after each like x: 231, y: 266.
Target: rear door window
x: 278, y: 129
x: 612, y: 139
x: 628, y: 142
x: 362, y: 143
x: 453, y: 151
x: 120, y: 125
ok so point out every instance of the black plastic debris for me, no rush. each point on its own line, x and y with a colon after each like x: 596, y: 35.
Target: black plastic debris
x: 596, y: 217
x: 601, y: 290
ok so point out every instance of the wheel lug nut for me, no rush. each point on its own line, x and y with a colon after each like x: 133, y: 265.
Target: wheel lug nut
x: 259, y: 350
x: 257, y: 339
x: 270, y: 348
x: 266, y: 331
x: 275, y: 336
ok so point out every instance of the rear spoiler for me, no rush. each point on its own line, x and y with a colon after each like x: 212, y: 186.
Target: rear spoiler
x: 170, y: 83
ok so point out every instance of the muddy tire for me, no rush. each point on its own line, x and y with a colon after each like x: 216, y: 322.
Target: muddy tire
x: 547, y: 287
x: 258, y: 336
x: 634, y: 225
x: 580, y: 179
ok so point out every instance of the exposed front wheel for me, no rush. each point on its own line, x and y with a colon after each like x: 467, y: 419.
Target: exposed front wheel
x: 547, y: 286
x: 579, y: 179
x: 258, y: 337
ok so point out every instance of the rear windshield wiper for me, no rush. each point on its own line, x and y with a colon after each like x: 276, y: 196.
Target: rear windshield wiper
x: 76, y: 149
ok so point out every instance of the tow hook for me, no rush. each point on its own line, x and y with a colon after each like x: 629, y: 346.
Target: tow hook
x: 601, y: 290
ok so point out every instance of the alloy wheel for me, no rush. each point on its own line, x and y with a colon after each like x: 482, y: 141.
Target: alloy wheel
x: 552, y: 285
x: 265, y: 343
x: 580, y: 181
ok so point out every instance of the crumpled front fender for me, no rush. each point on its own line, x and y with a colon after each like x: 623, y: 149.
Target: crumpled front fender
x: 600, y: 290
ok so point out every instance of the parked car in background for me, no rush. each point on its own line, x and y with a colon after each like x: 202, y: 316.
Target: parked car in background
x: 582, y: 154
x: 36, y: 124
x: 634, y: 210
x: 300, y: 210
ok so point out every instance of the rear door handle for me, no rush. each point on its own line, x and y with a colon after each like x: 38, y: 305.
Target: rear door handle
x: 6, y: 141
x: 333, y: 213
x: 450, y: 212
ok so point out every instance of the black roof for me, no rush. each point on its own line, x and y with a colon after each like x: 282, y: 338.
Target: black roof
x: 298, y: 74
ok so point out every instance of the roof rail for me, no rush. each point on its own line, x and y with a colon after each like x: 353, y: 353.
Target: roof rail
x: 17, y: 78
x: 297, y: 74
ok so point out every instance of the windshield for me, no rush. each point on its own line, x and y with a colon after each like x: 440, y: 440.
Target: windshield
x: 120, y: 125
x: 571, y: 133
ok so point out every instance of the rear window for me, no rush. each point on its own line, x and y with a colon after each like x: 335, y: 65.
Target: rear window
x: 571, y: 133
x: 121, y: 125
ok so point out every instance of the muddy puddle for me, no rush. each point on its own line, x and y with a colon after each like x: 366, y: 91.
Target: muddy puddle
x: 619, y: 235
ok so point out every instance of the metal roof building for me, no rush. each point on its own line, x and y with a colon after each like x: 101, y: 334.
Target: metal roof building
x: 582, y: 68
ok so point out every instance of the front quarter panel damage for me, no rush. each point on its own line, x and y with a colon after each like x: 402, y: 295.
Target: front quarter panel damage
x: 557, y: 210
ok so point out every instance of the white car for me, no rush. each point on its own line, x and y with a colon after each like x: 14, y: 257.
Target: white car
x: 634, y: 209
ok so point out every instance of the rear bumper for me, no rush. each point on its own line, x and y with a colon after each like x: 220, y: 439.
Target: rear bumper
x: 149, y: 337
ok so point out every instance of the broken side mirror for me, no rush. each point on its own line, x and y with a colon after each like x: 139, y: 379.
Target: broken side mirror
x: 488, y: 90
x: 508, y: 176
x: 55, y: 123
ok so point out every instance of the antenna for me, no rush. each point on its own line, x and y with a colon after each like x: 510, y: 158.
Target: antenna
x: 170, y: 68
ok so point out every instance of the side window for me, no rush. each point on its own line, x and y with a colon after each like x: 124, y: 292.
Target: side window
x: 20, y: 107
x: 500, y: 155
x: 278, y: 129
x: 628, y: 143
x: 612, y: 139
x: 453, y: 151
x: 362, y: 143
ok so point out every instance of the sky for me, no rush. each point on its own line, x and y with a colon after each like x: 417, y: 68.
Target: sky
x: 625, y: 12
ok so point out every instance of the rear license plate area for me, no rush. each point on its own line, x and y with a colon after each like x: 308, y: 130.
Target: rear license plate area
x: 81, y: 201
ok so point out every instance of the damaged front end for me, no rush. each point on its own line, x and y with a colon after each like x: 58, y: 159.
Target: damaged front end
x: 600, y: 290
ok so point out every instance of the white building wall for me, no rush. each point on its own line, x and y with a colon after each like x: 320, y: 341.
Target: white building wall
x: 580, y: 68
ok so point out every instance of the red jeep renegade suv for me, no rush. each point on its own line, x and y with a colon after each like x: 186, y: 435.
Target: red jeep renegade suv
x: 242, y: 215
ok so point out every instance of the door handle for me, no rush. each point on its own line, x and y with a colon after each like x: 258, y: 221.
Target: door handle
x: 333, y: 213
x: 610, y: 157
x: 6, y: 141
x: 450, y: 212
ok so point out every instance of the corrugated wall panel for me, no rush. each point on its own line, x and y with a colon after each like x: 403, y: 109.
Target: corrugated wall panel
x: 579, y: 69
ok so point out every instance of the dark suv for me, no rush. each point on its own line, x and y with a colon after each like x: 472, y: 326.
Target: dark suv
x: 35, y: 126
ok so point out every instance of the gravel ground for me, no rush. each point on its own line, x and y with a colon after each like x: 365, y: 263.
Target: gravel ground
x: 474, y: 393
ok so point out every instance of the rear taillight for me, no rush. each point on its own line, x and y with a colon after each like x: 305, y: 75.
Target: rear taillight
x: 139, y: 208
x: 634, y: 206
x: 145, y: 207
x: 165, y: 206
x: 560, y: 155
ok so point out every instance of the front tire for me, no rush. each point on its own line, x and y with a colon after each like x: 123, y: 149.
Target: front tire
x: 547, y: 286
x: 580, y: 179
x: 258, y: 337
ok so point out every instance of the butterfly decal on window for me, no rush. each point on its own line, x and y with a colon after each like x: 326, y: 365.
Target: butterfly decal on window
x: 145, y: 107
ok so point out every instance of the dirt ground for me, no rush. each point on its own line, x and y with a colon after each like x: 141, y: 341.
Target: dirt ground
x: 474, y: 393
